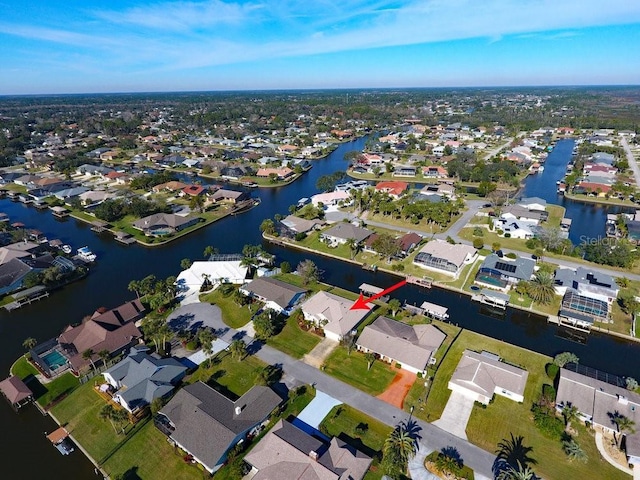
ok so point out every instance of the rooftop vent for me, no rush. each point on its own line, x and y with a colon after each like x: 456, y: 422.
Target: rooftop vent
x: 238, y: 410
x: 313, y: 455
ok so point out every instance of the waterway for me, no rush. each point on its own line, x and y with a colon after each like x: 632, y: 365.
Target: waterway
x: 106, y: 285
x: 587, y: 219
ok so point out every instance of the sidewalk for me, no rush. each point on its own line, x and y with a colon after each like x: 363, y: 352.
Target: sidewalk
x: 607, y: 457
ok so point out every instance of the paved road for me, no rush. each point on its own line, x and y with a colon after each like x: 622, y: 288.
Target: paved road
x: 297, y: 371
x: 632, y: 160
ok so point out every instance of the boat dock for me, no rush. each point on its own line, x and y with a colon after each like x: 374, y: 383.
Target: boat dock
x: 125, y: 238
x: 26, y: 297
x: 420, y: 281
x: 492, y: 298
x: 60, y: 439
x: 372, y: 290
x: 59, y: 212
x: 434, y: 311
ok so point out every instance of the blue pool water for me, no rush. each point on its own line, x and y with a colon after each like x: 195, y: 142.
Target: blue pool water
x: 54, y: 359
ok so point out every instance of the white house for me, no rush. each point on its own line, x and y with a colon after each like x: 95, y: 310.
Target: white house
x: 333, y: 314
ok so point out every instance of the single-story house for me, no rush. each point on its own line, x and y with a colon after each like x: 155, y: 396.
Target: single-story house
x: 229, y: 196
x: 164, y: 223
x: 594, y: 284
x: 445, y: 257
x: 481, y: 375
x: 206, y: 424
x: 342, y: 232
x: 600, y: 402
x: 330, y: 198
x: 333, y: 314
x: 140, y: 378
x: 215, y: 271
x: 536, y: 204
x: 396, y: 342
x: 394, y: 189
x: 277, y: 295
x: 502, y: 272
x: 300, y: 225
x: 288, y: 452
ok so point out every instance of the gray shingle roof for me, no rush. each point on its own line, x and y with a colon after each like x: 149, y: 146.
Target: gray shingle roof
x: 273, y: 290
x: 523, y: 266
x: 346, y: 231
x: 206, y: 422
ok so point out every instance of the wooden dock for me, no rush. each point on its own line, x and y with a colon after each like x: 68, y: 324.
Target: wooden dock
x: 26, y: 297
x: 426, y: 282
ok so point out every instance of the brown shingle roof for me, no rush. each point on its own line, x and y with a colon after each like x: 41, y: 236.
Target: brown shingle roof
x: 15, y: 390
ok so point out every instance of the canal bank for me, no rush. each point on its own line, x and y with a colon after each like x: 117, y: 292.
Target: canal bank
x: 107, y: 286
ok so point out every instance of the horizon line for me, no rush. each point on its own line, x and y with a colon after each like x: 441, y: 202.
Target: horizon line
x: 325, y: 89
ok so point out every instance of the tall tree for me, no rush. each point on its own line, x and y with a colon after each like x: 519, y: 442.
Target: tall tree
x: 88, y: 355
x: 308, y: 271
x: 29, y: 343
x: 400, y: 446
x: 107, y: 413
x: 541, y: 288
x: 623, y: 425
x: 238, y: 349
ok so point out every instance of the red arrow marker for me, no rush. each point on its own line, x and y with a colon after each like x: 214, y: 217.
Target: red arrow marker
x: 361, y: 303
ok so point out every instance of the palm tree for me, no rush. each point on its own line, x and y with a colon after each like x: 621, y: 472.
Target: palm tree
x: 401, y: 445
x: 88, y: 355
x: 207, y: 337
x: 104, y: 355
x: 513, y: 459
x: 107, y: 413
x: 541, y: 288
x: 209, y: 250
x: 29, y: 343
x: 238, y: 349
x: 120, y: 416
x: 370, y: 357
x: 623, y: 425
x: 134, y: 286
x: 447, y: 463
x: 574, y: 451
x: 354, y: 246
x: 570, y: 413
x: 394, y: 305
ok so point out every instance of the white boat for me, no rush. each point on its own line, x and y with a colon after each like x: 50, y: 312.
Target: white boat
x: 86, y: 254
x: 66, y: 248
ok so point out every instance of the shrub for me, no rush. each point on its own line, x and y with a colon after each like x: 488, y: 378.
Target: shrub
x: 552, y: 370
x: 548, y: 391
x: 397, y: 267
x: 510, y: 254
x: 398, y: 365
x: 499, y: 232
x: 300, y: 236
x: 419, y: 374
x: 507, y: 235
x: 478, y: 232
x: 192, y: 345
x: 547, y: 422
x: 478, y: 243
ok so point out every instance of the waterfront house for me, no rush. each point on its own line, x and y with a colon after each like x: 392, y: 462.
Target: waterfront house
x: 164, y: 223
x: 206, y: 424
x: 333, y: 314
x: 503, y: 273
x: 217, y: 272
x: 112, y: 330
x: 398, y: 343
x: 408, y: 242
x: 340, y: 234
x: 600, y: 398
x: 435, y: 171
x: 393, y: 189
x: 288, y: 452
x: 141, y: 377
x: 586, y: 282
x: 445, y: 257
x: 330, y: 198
x: 300, y: 225
x: 535, y: 204
x: 481, y: 375
x: 173, y: 186
x: 223, y: 195
x: 275, y: 294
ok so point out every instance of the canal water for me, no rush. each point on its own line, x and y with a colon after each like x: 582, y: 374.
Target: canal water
x: 25, y: 443
x: 587, y: 219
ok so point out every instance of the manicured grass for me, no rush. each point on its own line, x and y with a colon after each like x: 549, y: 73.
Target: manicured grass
x: 160, y: 460
x: 342, y: 421
x: 556, y: 214
x: 503, y: 417
x: 352, y: 369
x: 80, y: 413
x: 62, y: 385
x: 233, y: 314
x: 236, y: 376
x: 294, y: 341
x: 419, y: 391
x: 22, y: 368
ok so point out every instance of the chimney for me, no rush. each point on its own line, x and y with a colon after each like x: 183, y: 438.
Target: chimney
x: 238, y: 410
x: 313, y: 455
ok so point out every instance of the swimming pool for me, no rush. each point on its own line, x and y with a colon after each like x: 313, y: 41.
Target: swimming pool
x: 54, y: 359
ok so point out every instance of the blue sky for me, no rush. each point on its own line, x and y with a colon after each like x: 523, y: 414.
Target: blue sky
x: 70, y: 46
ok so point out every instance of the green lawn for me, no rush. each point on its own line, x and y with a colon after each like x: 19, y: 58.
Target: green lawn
x: 234, y: 376
x: 294, y: 341
x: 160, y: 460
x: 503, y: 417
x: 342, y: 421
x: 44, y: 393
x: 80, y: 413
x: 352, y: 369
x: 419, y: 391
x: 232, y: 314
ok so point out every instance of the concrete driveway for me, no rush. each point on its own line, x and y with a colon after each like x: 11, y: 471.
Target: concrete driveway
x: 316, y: 356
x: 317, y: 409
x: 197, y: 315
x: 456, y: 415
